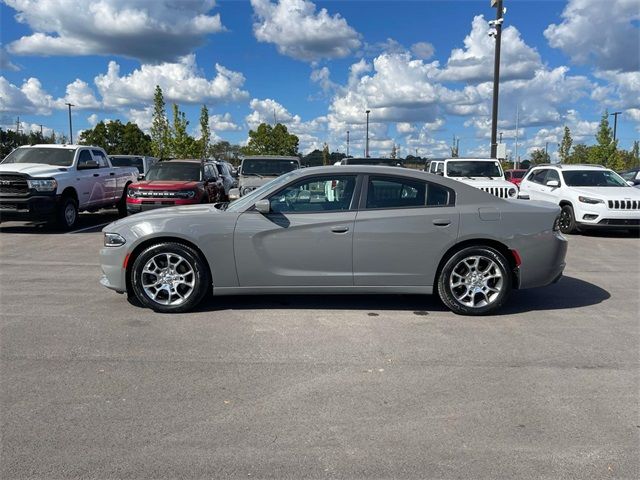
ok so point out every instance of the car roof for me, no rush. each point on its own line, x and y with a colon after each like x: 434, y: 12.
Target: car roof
x: 568, y: 167
x: 58, y: 145
x: 270, y: 157
x: 185, y: 160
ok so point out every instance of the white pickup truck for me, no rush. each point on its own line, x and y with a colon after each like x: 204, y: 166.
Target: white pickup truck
x: 55, y: 182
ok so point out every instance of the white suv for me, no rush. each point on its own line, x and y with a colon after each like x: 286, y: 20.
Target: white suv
x: 482, y: 173
x: 590, y: 196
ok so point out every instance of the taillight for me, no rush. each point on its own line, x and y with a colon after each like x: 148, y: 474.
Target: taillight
x: 516, y: 257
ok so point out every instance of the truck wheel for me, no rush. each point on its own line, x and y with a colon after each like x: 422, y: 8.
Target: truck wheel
x: 122, y: 203
x: 67, y: 215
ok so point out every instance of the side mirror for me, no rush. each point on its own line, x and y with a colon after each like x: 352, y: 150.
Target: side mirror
x: 88, y: 165
x: 141, y: 177
x: 263, y: 206
x: 234, y: 194
x: 553, y: 183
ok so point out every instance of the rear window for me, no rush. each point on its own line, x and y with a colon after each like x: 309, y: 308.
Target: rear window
x: 128, y: 162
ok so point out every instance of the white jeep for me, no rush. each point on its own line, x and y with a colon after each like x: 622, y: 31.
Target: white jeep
x: 591, y: 196
x: 482, y: 173
x: 55, y: 182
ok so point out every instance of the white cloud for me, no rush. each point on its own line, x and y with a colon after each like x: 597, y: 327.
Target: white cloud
x: 474, y: 63
x: 143, y: 117
x: 423, y: 50
x: 181, y: 82
x: 600, y: 33
x: 300, y: 32
x: 148, y: 30
x: 28, y: 98
x: 5, y: 62
x: 405, y: 127
x: 223, y: 123
x: 80, y: 95
x: 92, y: 119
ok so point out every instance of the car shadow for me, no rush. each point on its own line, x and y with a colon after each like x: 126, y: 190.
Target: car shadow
x: 569, y: 292
x: 87, y: 223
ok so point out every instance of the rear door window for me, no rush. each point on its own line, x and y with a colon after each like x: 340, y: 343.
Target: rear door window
x: 393, y: 192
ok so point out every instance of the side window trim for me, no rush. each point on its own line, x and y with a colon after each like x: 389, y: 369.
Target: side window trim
x: 365, y: 191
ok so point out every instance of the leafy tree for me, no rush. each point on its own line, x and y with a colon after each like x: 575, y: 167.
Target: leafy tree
x: 160, y: 133
x: 580, y: 154
x: 10, y: 140
x: 325, y: 154
x: 226, y: 151
x: 394, y: 151
x: 182, y: 144
x: 539, y: 156
x: 117, y: 139
x: 134, y: 141
x: 564, y: 148
x: 635, y: 153
x: 313, y: 159
x: 267, y: 140
x: 604, y: 152
x: 205, y: 131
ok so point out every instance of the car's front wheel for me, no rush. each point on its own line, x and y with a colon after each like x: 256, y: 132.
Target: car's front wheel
x: 475, y: 281
x: 567, y: 221
x: 169, y: 277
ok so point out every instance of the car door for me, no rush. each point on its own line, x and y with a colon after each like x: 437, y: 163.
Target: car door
x: 547, y: 193
x: 402, y: 229
x: 106, y: 178
x: 306, y: 239
x: 87, y: 168
x: 532, y: 183
x: 213, y: 184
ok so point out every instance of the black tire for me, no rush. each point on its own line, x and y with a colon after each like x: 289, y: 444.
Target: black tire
x: 122, y: 203
x: 67, y: 213
x: 455, y: 268
x: 568, y: 220
x: 190, y: 259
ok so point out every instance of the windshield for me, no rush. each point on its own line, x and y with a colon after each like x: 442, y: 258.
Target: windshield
x: 473, y: 168
x: 251, y: 198
x: 593, y: 178
x: 60, y: 157
x: 268, y: 167
x: 185, y: 172
x: 128, y: 162
x: 518, y: 173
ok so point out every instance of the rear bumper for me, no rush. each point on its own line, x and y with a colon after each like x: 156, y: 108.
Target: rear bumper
x: 28, y: 208
x: 544, y: 261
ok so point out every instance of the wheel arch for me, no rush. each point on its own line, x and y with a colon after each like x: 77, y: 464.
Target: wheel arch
x: 70, y: 192
x: 164, y: 239
x: 481, y: 242
x: 565, y: 202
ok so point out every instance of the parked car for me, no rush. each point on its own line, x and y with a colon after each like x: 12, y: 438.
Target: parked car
x: 591, y: 196
x: 483, y: 173
x: 228, y: 180
x: 383, y: 230
x: 632, y: 175
x: 141, y: 162
x: 390, y: 162
x: 514, y: 176
x: 256, y: 170
x: 55, y: 182
x: 176, y: 182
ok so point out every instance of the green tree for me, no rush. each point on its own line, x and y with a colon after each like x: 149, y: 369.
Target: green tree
x: 135, y: 141
x: 267, y: 140
x: 604, y: 152
x: 117, y: 139
x: 160, y: 133
x: 96, y: 136
x: 564, y: 148
x: 539, y: 156
x: 182, y: 144
x: 325, y: 154
x: 580, y: 154
x: 313, y: 158
x: 205, y: 131
x: 635, y: 153
x: 394, y: 151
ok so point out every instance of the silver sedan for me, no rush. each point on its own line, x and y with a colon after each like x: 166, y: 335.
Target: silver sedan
x: 356, y: 229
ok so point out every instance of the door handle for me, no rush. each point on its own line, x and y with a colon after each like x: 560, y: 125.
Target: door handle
x: 441, y: 222
x: 96, y: 174
x: 340, y: 229
x: 112, y: 173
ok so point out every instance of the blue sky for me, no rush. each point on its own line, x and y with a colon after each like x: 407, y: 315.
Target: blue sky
x: 423, y: 68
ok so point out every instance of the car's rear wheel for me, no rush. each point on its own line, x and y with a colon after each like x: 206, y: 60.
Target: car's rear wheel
x: 169, y: 277
x: 475, y: 281
x: 567, y: 221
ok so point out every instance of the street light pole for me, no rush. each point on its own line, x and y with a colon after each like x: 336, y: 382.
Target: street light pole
x: 70, y: 125
x: 347, y: 143
x: 366, y: 150
x: 615, y: 123
x: 497, y: 24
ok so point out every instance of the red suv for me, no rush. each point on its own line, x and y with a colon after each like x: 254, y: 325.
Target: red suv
x: 175, y: 182
x: 514, y: 176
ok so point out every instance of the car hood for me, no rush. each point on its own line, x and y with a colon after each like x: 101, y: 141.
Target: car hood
x: 165, y: 185
x: 162, y: 214
x: 606, y: 193
x: 32, y: 169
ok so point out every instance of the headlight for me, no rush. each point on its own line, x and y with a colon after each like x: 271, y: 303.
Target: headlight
x: 132, y: 193
x: 590, y: 200
x: 512, y: 192
x: 113, y: 240
x: 43, y: 185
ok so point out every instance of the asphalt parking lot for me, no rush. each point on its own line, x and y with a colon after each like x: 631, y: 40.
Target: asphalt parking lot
x: 315, y: 387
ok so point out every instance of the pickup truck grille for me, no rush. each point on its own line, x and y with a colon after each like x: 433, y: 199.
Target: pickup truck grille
x: 13, y: 184
x: 502, y: 192
x: 624, y: 205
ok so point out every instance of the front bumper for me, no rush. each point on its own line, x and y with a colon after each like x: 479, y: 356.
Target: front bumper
x: 601, y: 217
x: 155, y: 204
x: 33, y: 207
x: 112, y: 263
x: 612, y: 224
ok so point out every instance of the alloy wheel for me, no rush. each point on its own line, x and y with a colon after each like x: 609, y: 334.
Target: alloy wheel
x: 168, y: 279
x: 476, y: 281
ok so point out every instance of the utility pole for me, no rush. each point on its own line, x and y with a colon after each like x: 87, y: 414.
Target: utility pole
x: 70, y: 125
x: 18, y: 125
x: 41, y: 131
x: 516, y: 159
x: 615, y: 123
x: 347, y: 143
x: 366, y: 150
x: 497, y: 33
x: 500, y: 138
x: 275, y: 118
